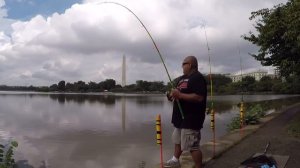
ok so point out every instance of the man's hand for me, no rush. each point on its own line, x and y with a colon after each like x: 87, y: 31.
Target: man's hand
x: 175, y: 93
x: 170, y: 98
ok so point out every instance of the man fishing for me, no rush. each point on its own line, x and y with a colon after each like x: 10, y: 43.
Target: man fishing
x: 191, y: 93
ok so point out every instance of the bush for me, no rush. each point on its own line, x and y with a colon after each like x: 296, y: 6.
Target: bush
x: 252, y: 116
x: 6, y: 154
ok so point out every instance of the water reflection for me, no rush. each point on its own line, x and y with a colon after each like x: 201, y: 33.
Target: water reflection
x: 77, y: 130
x: 82, y: 98
x: 123, y: 114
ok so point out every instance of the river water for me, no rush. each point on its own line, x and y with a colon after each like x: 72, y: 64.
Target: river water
x: 102, y: 130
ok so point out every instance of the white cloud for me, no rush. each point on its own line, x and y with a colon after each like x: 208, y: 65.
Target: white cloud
x: 87, y: 42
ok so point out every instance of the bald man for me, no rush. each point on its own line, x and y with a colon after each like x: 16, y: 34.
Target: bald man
x: 191, y: 92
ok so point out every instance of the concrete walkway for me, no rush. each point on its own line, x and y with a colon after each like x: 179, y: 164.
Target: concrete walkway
x: 230, y: 150
x: 275, y: 132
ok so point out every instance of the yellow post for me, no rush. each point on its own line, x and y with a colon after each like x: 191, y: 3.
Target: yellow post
x: 159, y: 138
x: 242, y: 114
x: 158, y: 130
x: 212, y: 119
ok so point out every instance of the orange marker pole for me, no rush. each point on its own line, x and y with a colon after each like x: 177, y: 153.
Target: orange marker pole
x: 159, y: 137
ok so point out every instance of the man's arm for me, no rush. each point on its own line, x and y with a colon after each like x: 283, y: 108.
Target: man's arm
x: 193, y: 97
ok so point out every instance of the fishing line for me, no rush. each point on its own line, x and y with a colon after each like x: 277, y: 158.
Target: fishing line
x: 159, y: 54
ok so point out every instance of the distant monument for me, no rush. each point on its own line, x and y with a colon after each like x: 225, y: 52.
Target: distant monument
x: 124, y: 72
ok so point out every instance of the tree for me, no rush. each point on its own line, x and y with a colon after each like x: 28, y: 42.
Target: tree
x: 69, y: 87
x: 53, y: 87
x: 278, y: 36
x: 219, y: 82
x: 157, y: 86
x: 264, y: 84
x: 248, y: 83
x: 61, y: 86
x: 80, y: 86
x: 108, y: 84
x: 142, y: 85
x: 93, y: 86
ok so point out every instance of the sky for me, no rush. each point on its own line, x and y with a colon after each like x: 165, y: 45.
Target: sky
x: 45, y: 41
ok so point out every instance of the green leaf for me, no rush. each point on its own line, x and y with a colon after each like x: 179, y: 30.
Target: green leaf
x: 278, y: 37
x: 14, y: 144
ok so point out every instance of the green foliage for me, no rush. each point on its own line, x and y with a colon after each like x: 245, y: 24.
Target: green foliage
x: 221, y: 85
x: 278, y: 36
x: 80, y: 86
x: 264, y: 85
x: 258, y: 110
x: 248, y: 83
x: 252, y: 115
x: 219, y: 81
x: 234, y: 124
x: 6, y: 155
x: 53, y: 87
x: 61, y: 86
x: 108, y: 84
x: 150, y: 86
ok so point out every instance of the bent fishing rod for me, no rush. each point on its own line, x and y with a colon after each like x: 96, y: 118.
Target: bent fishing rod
x: 159, y: 54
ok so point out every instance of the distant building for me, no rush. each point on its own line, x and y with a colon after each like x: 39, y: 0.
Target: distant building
x: 277, y: 73
x: 257, y: 75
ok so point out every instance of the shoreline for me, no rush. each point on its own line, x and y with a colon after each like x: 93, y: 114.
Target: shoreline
x: 214, y: 149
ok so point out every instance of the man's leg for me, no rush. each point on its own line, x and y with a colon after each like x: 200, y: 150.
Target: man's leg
x: 197, y: 157
x: 191, y: 141
x: 177, y: 151
x: 174, y: 161
x: 176, y: 138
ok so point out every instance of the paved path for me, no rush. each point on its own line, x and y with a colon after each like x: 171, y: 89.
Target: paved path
x: 275, y: 132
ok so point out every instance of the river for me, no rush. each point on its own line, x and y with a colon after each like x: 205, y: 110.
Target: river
x: 102, y: 130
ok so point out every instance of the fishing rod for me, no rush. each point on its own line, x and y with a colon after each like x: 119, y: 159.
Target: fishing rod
x: 159, y: 54
x: 242, y: 112
x: 212, y: 112
x: 241, y: 72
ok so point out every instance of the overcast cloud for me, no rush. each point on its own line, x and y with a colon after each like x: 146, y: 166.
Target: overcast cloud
x: 88, y: 40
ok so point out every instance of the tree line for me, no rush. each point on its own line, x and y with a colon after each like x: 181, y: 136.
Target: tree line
x: 222, y: 84
x: 248, y: 85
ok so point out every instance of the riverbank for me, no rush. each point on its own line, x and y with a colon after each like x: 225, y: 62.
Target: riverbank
x: 233, y: 148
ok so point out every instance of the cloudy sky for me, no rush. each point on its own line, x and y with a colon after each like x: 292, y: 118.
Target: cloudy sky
x: 45, y: 41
